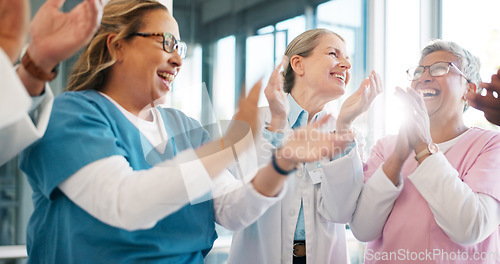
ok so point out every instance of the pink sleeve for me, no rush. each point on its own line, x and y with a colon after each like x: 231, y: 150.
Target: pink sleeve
x: 481, y: 167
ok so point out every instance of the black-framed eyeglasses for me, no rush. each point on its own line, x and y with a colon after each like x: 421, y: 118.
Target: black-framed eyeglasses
x: 436, y: 69
x: 169, y: 42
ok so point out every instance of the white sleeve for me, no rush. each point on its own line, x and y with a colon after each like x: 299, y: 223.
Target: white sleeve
x: 14, y: 100
x: 17, y: 129
x: 465, y: 216
x: 240, y: 208
x: 340, y: 187
x: 237, y: 204
x: 112, y: 192
x: 374, y: 206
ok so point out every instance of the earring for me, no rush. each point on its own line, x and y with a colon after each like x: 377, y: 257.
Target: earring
x: 466, y: 103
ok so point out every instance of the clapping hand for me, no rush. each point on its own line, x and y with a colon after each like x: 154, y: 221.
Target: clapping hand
x: 56, y: 36
x: 278, y: 102
x: 311, y: 143
x: 246, y: 118
x: 14, y: 20
x: 489, y: 103
x: 417, y: 124
x: 359, y: 101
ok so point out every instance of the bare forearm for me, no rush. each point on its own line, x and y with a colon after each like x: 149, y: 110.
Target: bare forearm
x: 392, y: 168
x: 33, y: 85
x: 268, y: 182
x: 216, y: 156
x: 34, y: 81
x: 276, y: 125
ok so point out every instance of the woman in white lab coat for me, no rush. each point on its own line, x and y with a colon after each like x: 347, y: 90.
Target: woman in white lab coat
x: 23, y: 120
x: 308, y: 223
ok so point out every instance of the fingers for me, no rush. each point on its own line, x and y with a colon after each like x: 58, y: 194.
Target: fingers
x: 56, y: 3
x: 480, y: 102
x: 495, y: 78
x: 89, y: 13
x: 413, y: 99
x: 495, y: 83
x: 373, y: 87
x: 402, y: 94
x: 284, y: 60
x: 418, y: 97
x: 322, y: 121
x: 378, y: 79
x: 364, y: 86
x: 253, y: 95
x: 492, y: 115
x: 14, y: 21
x: 96, y: 9
x: 276, y: 79
x: 409, y: 102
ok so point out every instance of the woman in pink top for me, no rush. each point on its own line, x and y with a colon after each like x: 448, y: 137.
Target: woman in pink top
x: 431, y: 193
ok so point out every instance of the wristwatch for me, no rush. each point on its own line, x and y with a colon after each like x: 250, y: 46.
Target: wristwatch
x: 432, y: 148
x: 35, y: 71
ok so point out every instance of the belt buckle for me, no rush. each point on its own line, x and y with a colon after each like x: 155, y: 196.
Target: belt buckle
x: 299, y: 250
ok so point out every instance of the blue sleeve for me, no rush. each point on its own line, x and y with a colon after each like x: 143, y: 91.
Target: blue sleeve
x: 276, y: 139
x: 78, y: 134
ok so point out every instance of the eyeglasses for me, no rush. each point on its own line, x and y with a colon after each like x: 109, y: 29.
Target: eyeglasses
x: 435, y: 70
x: 169, y: 42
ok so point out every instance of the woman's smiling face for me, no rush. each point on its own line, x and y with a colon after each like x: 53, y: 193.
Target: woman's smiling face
x: 443, y: 94
x: 145, y: 62
x: 326, y: 70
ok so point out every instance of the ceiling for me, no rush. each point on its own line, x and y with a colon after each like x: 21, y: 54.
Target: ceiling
x: 202, y: 21
x: 205, y: 21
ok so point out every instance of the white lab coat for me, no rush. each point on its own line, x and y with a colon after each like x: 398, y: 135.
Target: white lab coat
x: 327, y: 205
x: 17, y: 130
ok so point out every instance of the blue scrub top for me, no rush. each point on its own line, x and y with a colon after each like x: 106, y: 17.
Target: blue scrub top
x: 85, y: 127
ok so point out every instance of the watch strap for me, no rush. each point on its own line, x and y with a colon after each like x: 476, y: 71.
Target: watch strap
x: 35, y: 71
x: 422, y: 154
x: 277, y: 168
x: 429, y: 150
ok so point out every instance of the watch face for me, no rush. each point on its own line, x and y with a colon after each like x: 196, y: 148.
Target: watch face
x: 433, y: 148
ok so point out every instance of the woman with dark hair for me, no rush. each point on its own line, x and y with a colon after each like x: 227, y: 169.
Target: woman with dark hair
x: 118, y: 178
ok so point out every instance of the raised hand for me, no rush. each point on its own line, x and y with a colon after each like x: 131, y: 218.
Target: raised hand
x: 278, y: 103
x: 56, y: 36
x: 394, y: 163
x: 488, y: 103
x: 14, y: 20
x: 417, y: 120
x: 246, y: 117
x: 359, y: 101
x: 311, y: 143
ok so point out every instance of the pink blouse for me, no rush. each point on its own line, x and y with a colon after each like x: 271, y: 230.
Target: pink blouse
x: 411, y: 234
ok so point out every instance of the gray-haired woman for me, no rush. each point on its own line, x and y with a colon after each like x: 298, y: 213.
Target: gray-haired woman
x: 431, y: 193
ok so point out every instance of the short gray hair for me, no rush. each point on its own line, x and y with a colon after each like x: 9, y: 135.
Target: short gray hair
x: 302, y: 45
x: 468, y: 63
